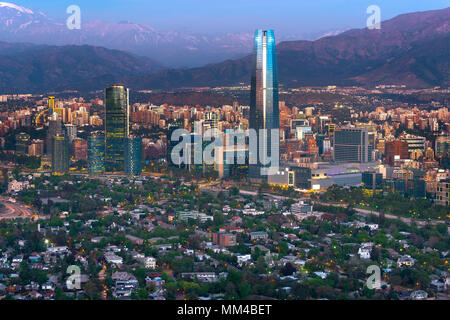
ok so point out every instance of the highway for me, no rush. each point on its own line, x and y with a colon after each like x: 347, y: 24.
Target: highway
x: 366, y: 212
x: 14, y: 211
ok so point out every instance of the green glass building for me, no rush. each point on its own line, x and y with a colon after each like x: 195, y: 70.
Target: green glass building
x: 117, y: 119
x: 96, y: 153
x: 60, y: 154
x: 23, y: 140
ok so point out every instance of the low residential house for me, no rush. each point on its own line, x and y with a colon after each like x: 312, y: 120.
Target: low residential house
x: 113, y: 258
x: 17, y: 259
x: 321, y: 274
x: 164, y: 247
x: 125, y: 288
x: 201, y: 276
x: 48, y: 286
x: 16, y: 186
x: 438, y: 285
x: 137, y: 255
x: 121, y: 275
x: 418, y: 295
x: 365, y: 250
x: 135, y: 240
x: 34, y: 258
x: 231, y: 229
x: 58, y: 249
x: 244, y: 258
x: 149, y: 262
x: 258, y: 235
x: 155, y: 280
x: 405, y: 261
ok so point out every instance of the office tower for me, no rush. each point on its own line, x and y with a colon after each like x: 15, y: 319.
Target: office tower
x: 79, y: 149
x: 320, y: 139
x: 211, y: 120
x: 51, y: 105
x: 171, y: 144
x: 61, y: 112
x: 371, y: 145
x: 264, y: 107
x: 322, y: 123
x: 245, y: 112
x: 443, y: 193
x: 442, y: 145
x: 133, y: 156
x: 23, y: 140
x: 71, y: 132
x: 60, y: 154
x: 54, y: 129
x: 36, y: 148
x: 396, y: 150
x: 372, y: 180
x: 96, y: 153
x: 298, y: 123
x: 351, y: 145
x: 414, y: 142
x: 116, y: 126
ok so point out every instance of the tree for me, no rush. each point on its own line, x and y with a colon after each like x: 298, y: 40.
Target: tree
x: 261, y: 265
x: 92, y: 289
x: 301, y: 291
x: 288, y: 269
x: 244, y: 289
x: 142, y: 294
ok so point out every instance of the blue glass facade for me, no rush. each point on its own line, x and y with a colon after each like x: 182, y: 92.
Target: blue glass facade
x: 133, y: 156
x: 96, y: 154
x: 264, y: 108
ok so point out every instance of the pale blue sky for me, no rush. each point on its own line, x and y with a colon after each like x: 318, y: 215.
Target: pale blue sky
x: 209, y: 16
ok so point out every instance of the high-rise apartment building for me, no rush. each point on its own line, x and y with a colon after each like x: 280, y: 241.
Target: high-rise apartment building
x: 396, y: 150
x: 79, y: 149
x: 71, y: 132
x: 443, y: 193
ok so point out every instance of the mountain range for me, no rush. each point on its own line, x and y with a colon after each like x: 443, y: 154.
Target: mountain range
x: 411, y: 49
x: 171, y: 48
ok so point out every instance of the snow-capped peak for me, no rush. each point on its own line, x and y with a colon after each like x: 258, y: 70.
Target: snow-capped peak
x: 16, y: 7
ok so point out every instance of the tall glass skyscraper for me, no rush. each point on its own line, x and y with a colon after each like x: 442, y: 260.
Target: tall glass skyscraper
x: 117, y: 119
x: 264, y: 108
x: 96, y: 153
x: 60, y: 154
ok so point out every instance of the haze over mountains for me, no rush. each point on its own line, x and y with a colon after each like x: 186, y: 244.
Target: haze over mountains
x: 176, y: 49
x: 411, y: 49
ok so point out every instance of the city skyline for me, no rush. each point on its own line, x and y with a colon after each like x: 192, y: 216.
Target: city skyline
x: 306, y: 170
